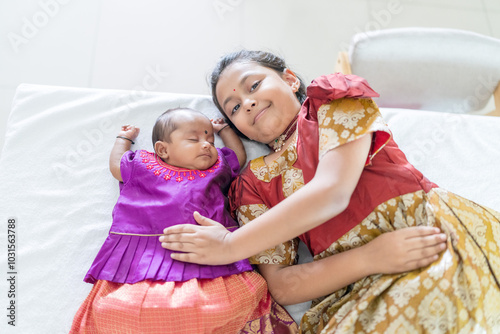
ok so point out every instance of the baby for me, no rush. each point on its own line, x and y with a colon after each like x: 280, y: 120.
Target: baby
x: 137, y: 286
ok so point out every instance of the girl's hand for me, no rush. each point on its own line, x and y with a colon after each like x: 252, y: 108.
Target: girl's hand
x: 205, y: 244
x: 129, y: 131
x: 218, y: 124
x: 404, y: 250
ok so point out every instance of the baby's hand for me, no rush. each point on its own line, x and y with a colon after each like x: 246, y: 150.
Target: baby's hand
x: 129, y: 131
x: 219, y: 124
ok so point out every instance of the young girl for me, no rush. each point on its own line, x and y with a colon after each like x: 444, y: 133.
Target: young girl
x: 138, y: 288
x: 336, y: 179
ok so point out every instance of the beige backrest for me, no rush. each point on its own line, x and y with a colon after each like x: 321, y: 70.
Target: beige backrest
x: 427, y: 68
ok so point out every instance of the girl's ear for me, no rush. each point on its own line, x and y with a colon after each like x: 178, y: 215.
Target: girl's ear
x: 291, y: 79
x: 161, y: 149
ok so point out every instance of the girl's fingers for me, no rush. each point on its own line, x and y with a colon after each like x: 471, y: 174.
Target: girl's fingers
x: 426, y: 255
x: 422, y: 262
x: 420, y: 231
x: 177, y: 237
x: 180, y: 229
x: 184, y: 247
x: 423, y: 245
x: 427, y: 241
x: 431, y: 250
x: 204, y: 221
x: 176, y: 246
x: 423, y: 236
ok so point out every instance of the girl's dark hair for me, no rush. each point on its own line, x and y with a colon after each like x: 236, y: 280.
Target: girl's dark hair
x: 262, y: 58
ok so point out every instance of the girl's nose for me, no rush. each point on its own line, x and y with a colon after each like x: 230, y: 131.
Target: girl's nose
x: 249, y: 104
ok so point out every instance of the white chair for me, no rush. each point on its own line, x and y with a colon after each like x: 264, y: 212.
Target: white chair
x: 427, y: 68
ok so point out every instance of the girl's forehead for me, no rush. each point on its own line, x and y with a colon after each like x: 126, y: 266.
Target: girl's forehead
x: 239, y: 70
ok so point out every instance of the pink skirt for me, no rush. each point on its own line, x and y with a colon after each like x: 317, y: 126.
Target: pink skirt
x: 238, y: 303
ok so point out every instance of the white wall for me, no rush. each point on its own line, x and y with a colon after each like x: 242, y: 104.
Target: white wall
x: 120, y: 44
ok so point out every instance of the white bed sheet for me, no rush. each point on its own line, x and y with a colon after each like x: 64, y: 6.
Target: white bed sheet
x: 54, y: 181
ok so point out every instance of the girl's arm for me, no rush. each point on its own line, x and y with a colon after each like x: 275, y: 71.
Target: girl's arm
x: 324, y: 197
x: 394, y: 252
x: 230, y: 139
x: 120, y: 147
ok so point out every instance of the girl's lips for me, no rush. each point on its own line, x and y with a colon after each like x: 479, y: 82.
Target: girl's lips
x: 259, y: 115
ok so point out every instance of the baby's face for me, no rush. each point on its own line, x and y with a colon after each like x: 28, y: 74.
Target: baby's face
x: 192, y: 144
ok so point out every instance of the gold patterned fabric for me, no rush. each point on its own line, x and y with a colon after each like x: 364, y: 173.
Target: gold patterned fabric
x: 284, y: 253
x: 459, y: 293
x: 346, y: 120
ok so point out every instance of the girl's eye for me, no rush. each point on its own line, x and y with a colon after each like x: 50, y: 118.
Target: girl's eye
x: 235, y: 109
x: 254, y: 86
x: 194, y: 140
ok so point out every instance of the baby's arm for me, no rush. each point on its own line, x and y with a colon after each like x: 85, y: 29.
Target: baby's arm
x: 121, y: 146
x: 230, y: 139
x: 390, y: 253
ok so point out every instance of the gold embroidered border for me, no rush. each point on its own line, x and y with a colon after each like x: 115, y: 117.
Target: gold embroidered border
x: 153, y: 235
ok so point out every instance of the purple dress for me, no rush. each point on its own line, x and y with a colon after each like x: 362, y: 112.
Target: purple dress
x: 153, y: 196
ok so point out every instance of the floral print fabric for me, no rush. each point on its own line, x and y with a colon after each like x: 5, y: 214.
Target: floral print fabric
x: 346, y: 120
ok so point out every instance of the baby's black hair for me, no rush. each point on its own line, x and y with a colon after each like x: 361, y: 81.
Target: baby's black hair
x: 166, y: 124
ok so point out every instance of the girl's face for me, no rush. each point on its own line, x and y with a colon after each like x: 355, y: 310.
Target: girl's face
x: 191, y: 145
x: 260, y: 102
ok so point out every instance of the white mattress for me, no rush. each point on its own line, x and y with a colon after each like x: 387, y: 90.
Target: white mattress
x: 55, y: 183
